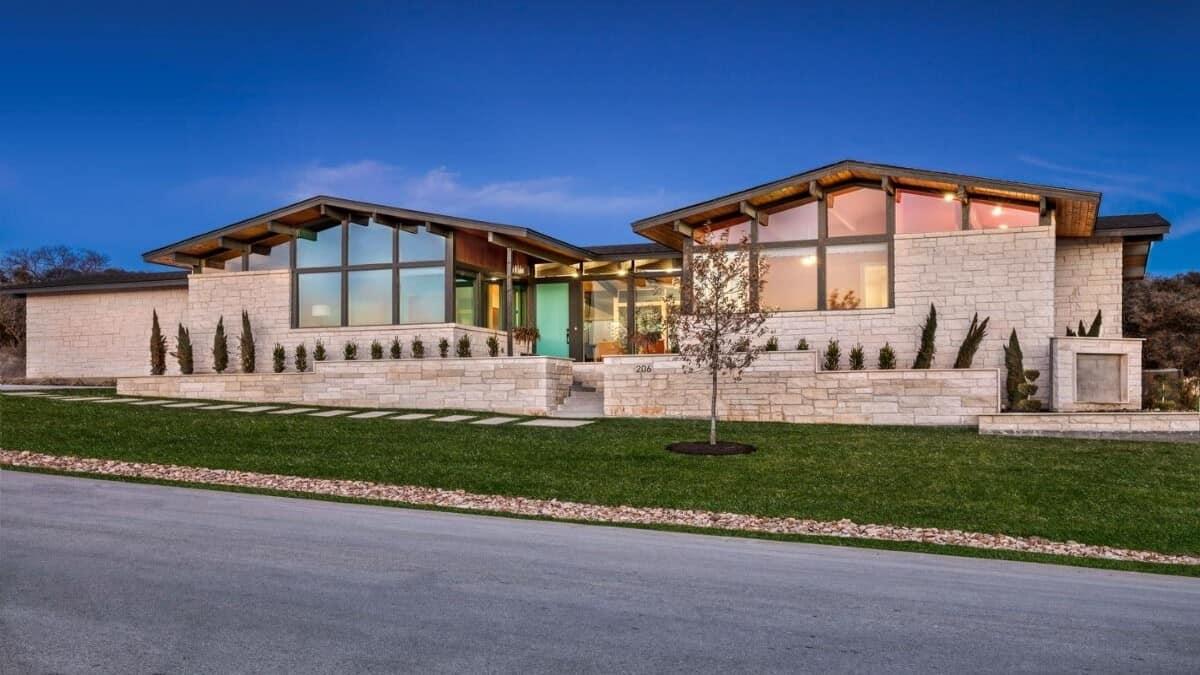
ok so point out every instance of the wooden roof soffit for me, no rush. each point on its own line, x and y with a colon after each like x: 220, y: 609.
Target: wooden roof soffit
x: 815, y: 189
x: 243, y: 246
x: 518, y: 245
x: 197, y: 263
x: 291, y: 230
x: 682, y: 228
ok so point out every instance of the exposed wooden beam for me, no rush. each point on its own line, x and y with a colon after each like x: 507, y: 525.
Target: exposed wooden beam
x: 887, y: 185
x: 435, y: 228
x: 292, y: 231
x: 961, y: 195
x: 682, y: 228
x: 243, y: 246
x: 197, y: 262
x: 815, y: 189
x: 1043, y: 206
x: 334, y: 212
x: 517, y: 245
x: 747, y: 210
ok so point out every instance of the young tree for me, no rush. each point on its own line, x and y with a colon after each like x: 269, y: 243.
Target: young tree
x: 158, y: 347
x: 220, y: 349
x: 717, y: 333
x: 246, y: 344
x: 183, y: 351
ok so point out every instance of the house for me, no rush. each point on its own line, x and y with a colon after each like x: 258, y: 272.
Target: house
x: 857, y: 252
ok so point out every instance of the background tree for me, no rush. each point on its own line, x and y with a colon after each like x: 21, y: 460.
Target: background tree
x: 158, y: 347
x: 246, y: 344
x: 183, y: 351
x: 717, y: 333
x: 1166, y: 311
x: 220, y: 349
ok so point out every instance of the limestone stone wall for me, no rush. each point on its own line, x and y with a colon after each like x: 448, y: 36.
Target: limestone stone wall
x: 1007, y: 275
x: 787, y: 387
x: 267, y: 297
x: 1065, y: 372
x: 1087, y: 277
x: 1098, y: 423
x: 531, y: 385
x: 99, y: 334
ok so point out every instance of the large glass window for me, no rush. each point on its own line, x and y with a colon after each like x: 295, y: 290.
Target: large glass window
x: 422, y: 294
x: 424, y: 245
x: 603, y: 319
x: 918, y: 213
x: 736, y: 232
x: 370, y: 297
x: 856, y: 212
x: 325, y: 251
x: 791, y: 279
x: 653, y: 296
x: 464, y: 299
x: 985, y: 215
x: 277, y: 259
x: 493, y: 305
x: 370, y: 243
x: 793, y: 224
x: 856, y: 276
x: 320, y: 301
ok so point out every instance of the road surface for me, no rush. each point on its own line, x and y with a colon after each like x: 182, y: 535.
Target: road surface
x: 102, y: 576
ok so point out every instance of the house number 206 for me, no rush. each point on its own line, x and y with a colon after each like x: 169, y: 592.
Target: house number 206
x: 643, y: 369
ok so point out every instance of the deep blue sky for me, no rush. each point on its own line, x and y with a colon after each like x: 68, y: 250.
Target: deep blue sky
x: 123, y: 128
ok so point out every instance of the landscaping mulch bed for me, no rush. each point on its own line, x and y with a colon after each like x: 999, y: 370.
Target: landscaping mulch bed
x: 710, y: 448
x: 552, y: 508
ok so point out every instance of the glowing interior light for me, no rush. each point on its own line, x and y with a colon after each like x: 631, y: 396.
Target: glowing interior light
x: 949, y: 196
x: 1003, y: 226
x: 996, y: 210
x: 808, y: 260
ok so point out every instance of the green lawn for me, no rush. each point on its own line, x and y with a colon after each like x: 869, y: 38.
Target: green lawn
x: 1126, y: 494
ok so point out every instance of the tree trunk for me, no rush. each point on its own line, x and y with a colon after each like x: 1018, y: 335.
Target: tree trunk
x: 712, y: 421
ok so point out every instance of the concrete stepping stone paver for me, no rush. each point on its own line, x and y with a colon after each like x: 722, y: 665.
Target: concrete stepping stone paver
x: 292, y: 411
x: 559, y: 423
x: 117, y: 400
x: 25, y: 393
x: 453, y: 418
x: 331, y: 413
x: 153, y: 401
x: 369, y: 415
x: 412, y: 416
x: 222, y: 406
x: 493, y: 421
x: 254, y: 409
x: 185, y: 404
x: 81, y: 398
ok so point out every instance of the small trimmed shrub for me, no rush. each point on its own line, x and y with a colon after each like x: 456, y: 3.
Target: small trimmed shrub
x: 928, y: 332
x: 857, y: 358
x: 350, y: 351
x: 319, y: 351
x: 887, y: 357
x: 301, y: 358
x: 1028, y: 390
x: 443, y: 348
x: 975, y: 334
x: 833, y: 356
x: 220, y: 350
x: 463, y: 349
x: 246, y: 344
x: 1019, y: 382
x: 183, y: 351
x: 278, y: 358
x: 802, y: 345
x: 376, y: 350
x: 395, y: 350
x: 417, y: 348
x: 493, y: 346
x: 772, y: 344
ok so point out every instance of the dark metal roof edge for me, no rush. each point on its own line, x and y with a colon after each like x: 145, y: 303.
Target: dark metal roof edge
x: 181, y: 282
x: 963, y: 179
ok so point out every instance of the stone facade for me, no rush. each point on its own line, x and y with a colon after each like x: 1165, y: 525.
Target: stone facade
x: 99, y: 335
x: 787, y: 387
x: 531, y: 385
x: 1088, y: 277
x: 1122, y: 383
x: 1106, y: 424
x: 1006, y: 275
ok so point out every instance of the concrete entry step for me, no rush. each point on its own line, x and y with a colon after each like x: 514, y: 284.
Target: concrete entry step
x: 581, y: 405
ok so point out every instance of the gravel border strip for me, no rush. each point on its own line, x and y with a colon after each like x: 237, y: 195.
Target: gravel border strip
x: 552, y: 508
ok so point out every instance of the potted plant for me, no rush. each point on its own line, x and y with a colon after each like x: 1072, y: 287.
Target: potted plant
x: 528, y: 336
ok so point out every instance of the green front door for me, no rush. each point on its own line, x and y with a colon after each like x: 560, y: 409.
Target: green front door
x: 553, y: 319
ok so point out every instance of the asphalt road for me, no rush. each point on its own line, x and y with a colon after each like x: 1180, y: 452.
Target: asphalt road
x: 99, y: 576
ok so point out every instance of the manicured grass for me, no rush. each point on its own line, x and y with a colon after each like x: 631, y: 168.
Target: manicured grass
x: 1119, y: 493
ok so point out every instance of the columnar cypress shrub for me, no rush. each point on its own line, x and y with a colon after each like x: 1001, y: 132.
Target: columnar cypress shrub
x: 928, y: 331
x: 887, y: 357
x: 975, y: 334
x: 417, y: 348
x: 463, y: 349
x: 220, y: 350
x: 301, y: 358
x: 1014, y: 366
x: 158, y: 347
x: 376, y: 350
x: 246, y: 344
x: 319, y: 351
x: 833, y: 356
x: 395, y: 349
x: 1094, y: 329
x: 278, y: 358
x: 183, y: 351
x: 857, y: 358
x: 772, y: 344
x: 493, y: 345
x: 443, y: 348
x: 802, y: 345
x: 350, y: 351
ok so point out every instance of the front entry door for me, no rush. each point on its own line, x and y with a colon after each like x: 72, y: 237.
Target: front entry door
x: 554, y: 319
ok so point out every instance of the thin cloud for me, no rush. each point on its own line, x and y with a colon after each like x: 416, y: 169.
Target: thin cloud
x: 1186, y: 227
x: 1157, y: 190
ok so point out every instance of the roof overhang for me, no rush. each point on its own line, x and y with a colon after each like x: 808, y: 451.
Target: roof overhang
x: 1075, y: 209
x: 213, y: 248
x: 1138, y: 232
x: 100, y: 284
